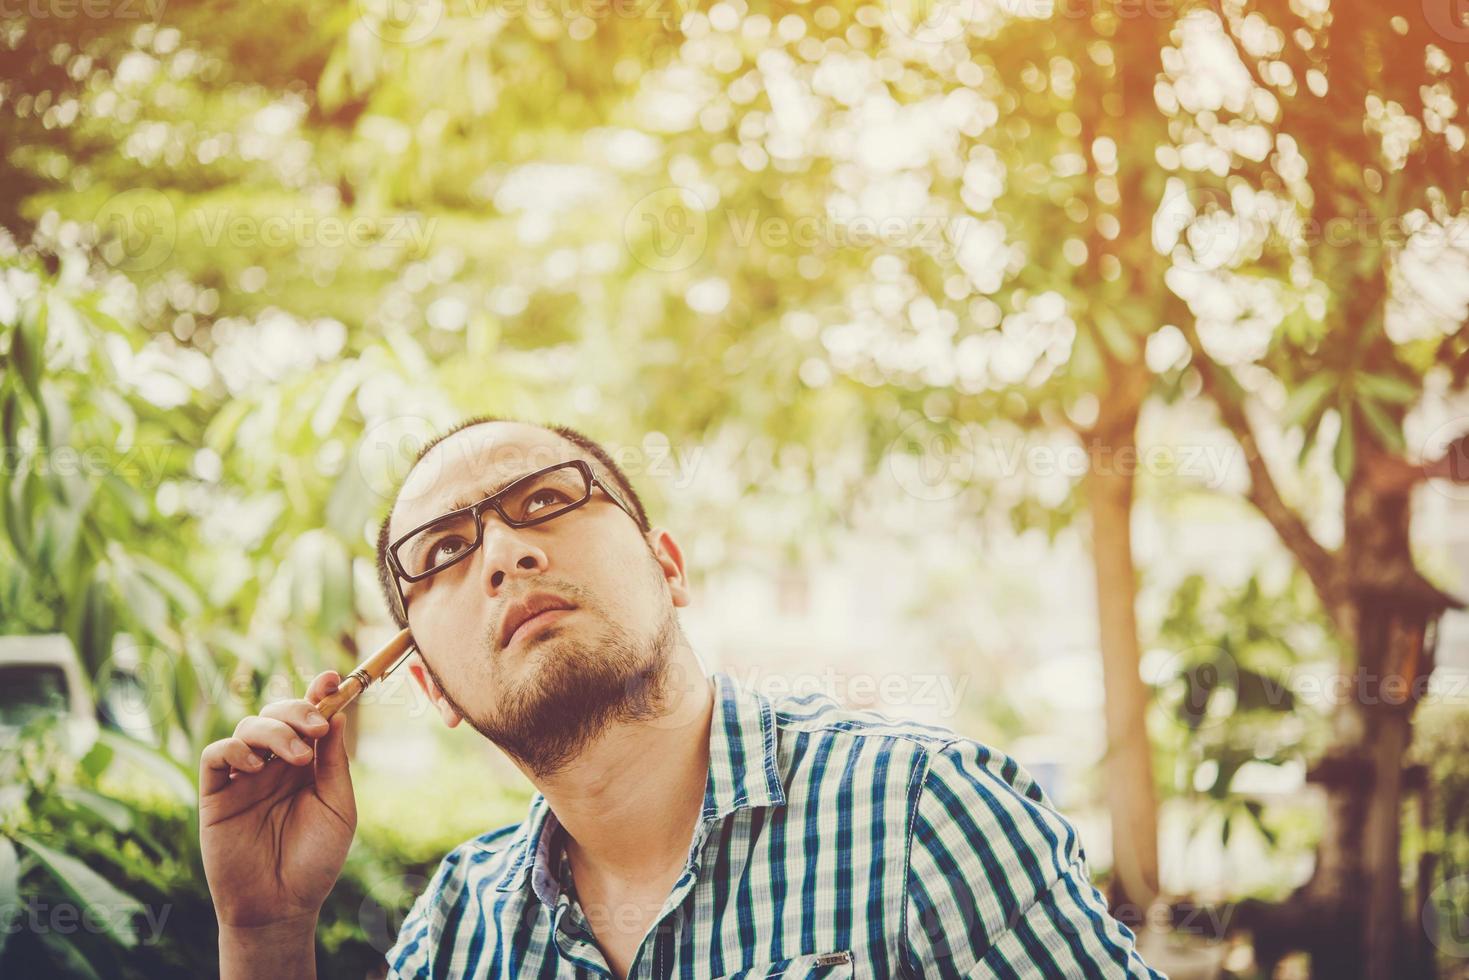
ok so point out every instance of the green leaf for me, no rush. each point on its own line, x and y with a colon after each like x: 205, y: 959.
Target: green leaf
x: 1306, y: 400
x: 1344, y: 458
x: 1387, y: 389
x: 1085, y: 364
x: 110, y: 812
x: 105, y: 902
x: 1257, y: 811
x: 10, y: 420
x: 17, y: 516
x: 25, y: 353
x: 67, y: 958
x: 9, y: 890
x: 1387, y: 431
x: 331, y: 401
x: 170, y: 583
x: 219, y: 434
x: 335, y: 582
x: 128, y: 497
x: 145, y: 604
x: 171, y: 773
x: 97, y: 759
x: 1115, y: 336
x: 92, y: 622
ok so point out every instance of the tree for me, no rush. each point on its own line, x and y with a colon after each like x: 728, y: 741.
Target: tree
x: 1328, y: 181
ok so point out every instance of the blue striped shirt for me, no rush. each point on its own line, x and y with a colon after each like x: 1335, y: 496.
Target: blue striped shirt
x: 832, y: 843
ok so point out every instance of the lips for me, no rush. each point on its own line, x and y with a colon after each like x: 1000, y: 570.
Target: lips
x: 526, y: 609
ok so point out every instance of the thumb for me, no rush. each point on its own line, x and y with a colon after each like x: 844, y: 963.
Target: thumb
x: 333, y: 772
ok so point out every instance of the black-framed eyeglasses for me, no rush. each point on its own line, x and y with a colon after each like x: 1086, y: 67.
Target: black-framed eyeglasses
x: 532, y: 499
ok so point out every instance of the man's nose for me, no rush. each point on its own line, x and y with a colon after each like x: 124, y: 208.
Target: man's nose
x: 507, y: 554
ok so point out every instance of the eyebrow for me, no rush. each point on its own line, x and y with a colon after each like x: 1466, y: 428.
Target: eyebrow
x: 464, y: 501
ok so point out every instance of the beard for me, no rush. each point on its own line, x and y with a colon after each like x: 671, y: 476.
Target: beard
x: 578, y: 690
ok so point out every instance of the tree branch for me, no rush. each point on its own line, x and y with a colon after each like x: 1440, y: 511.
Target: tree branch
x: 1319, y: 564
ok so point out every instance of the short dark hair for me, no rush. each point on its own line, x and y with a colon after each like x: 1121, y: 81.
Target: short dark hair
x: 590, y: 446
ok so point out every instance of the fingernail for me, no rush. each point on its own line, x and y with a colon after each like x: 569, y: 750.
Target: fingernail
x: 254, y: 761
x: 314, y: 718
x: 298, y: 747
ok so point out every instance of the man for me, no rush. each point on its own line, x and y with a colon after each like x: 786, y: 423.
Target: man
x: 683, y: 827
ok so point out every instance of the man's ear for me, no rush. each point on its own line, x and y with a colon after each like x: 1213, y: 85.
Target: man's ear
x: 420, y: 673
x: 670, y: 562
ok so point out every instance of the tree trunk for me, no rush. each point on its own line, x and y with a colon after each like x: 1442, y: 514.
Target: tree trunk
x: 1384, y: 913
x: 1358, y: 880
x: 1131, y: 794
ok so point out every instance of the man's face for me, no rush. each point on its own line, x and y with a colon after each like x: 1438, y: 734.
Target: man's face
x: 559, y: 682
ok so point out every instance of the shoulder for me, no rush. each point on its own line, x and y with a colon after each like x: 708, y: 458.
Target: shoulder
x: 821, y: 714
x: 942, y: 758
x: 491, y: 855
x: 947, y: 769
x: 430, y: 929
x: 949, y: 777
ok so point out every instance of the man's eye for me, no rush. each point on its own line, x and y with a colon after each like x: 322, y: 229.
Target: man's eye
x: 551, y: 498
x: 446, y: 548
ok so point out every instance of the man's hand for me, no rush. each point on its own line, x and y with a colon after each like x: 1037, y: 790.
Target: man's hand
x: 275, y: 835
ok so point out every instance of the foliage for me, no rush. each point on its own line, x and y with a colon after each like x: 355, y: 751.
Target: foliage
x: 1244, y: 685
x: 250, y: 260
x: 1441, y: 746
x: 102, y: 871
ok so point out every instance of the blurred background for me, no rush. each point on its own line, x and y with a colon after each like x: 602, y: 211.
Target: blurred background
x: 1087, y: 377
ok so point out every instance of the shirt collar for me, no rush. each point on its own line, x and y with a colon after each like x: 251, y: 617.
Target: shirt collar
x: 743, y: 772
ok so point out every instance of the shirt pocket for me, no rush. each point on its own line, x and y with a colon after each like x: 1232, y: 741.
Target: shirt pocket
x: 827, y: 966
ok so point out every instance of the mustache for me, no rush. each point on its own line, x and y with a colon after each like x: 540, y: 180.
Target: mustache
x: 572, y: 593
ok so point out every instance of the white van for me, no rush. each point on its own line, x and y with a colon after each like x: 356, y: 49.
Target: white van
x: 41, y: 676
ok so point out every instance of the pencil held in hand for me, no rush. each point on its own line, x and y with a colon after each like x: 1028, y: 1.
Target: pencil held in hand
x: 369, y: 672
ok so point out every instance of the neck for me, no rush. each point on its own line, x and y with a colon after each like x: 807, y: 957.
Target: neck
x: 631, y: 800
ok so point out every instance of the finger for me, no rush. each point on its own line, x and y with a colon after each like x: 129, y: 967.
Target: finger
x: 221, y: 758
x: 274, y: 735
x: 300, y: 714
x: 323, y: 684
x: 333, y: 773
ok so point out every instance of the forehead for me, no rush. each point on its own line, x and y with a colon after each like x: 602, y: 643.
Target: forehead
x: 470, y: 465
